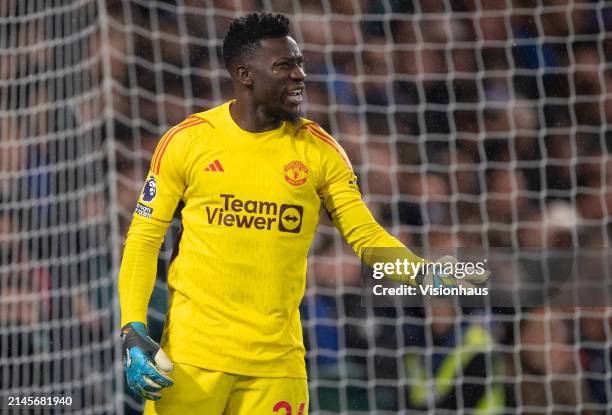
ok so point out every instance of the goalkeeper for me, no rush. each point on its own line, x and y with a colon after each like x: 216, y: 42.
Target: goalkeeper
x: 251, y: 174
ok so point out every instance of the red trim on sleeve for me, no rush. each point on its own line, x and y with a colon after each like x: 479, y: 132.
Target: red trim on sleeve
x: 155, y: 157
x: 161, y: 147
x: 317, y: 132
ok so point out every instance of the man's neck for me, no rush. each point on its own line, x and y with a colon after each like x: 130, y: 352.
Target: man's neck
x: 252, y: 118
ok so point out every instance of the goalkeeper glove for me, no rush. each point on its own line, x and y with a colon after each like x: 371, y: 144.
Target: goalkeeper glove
x: 146, y: 365
x: 438, y: 277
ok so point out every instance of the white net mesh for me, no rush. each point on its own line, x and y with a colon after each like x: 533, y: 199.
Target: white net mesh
x: 56, y: 326
x: 474, y: 124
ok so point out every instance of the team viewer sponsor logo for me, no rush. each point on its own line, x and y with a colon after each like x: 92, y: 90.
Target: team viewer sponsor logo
x: 290, y: 218
x: 255, y: 214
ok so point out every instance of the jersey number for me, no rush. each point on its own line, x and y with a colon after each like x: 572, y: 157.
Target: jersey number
x: 280, y: 405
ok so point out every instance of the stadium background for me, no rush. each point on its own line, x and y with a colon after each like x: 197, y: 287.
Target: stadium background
x: 470, y: 123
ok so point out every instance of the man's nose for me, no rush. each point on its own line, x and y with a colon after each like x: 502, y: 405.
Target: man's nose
x: 298, y: 73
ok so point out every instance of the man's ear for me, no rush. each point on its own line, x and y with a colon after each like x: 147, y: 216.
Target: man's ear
x: 245, y: 76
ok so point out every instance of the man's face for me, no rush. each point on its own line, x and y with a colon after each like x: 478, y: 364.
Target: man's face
x: 278, y: 77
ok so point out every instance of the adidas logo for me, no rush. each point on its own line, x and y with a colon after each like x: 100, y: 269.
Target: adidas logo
x: 214, y: 166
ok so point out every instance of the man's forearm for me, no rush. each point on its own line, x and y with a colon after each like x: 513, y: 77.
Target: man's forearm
x: 138, y: 269
x: 361, y: 231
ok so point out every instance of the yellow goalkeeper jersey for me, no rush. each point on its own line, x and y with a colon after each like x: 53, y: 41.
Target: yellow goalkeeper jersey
x: 251, y: 208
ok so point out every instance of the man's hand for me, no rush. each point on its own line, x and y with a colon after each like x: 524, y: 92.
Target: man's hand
x: 146, y: 365
x: 437, y: 278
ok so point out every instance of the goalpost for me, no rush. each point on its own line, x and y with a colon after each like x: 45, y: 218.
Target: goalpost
x: 479, y: 124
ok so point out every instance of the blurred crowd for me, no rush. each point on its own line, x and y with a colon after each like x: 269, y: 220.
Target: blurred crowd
x: 469, y: 123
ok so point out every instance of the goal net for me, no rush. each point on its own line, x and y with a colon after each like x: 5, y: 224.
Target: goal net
x: 477, y: 124
x: 57, y: 334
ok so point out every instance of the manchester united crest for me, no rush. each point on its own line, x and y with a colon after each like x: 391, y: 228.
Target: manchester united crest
x: 296, y: 173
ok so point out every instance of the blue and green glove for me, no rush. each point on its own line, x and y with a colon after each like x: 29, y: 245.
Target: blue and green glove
x: 146, y: 365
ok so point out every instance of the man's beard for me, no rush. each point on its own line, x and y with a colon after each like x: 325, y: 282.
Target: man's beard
x: 282, y: 115
x: 289, y: 117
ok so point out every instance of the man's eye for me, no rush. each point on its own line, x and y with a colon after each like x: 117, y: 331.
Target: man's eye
x: 284, y: 65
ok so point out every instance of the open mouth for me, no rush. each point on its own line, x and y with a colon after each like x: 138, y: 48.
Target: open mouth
x: 295, y: 96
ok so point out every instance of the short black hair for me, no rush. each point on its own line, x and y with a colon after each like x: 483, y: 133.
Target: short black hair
x: 245, y: 33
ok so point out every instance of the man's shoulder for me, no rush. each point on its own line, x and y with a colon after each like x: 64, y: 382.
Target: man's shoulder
x: 322, y: 139
x: 307, y: 125
x: 214, y: 116
x: 314, y: 131
x: 317, y: 134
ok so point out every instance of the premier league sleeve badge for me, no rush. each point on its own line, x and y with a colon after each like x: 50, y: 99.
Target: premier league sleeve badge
x: 150, y: 189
